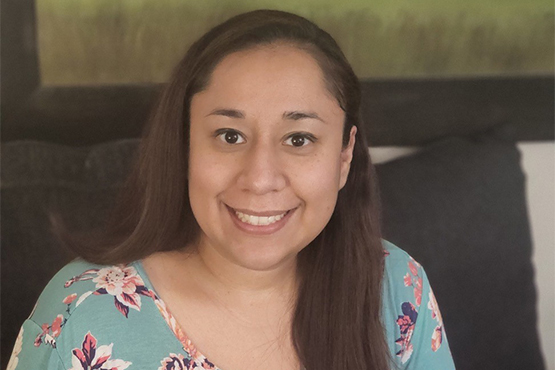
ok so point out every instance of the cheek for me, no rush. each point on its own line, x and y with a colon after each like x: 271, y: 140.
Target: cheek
x: 206, y: 166
x: 317, y: 182
x: 206, y: 179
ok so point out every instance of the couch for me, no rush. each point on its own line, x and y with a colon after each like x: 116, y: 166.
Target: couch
x: 457, y: 206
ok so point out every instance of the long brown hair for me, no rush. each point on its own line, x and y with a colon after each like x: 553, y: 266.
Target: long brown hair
x: 337, y: 320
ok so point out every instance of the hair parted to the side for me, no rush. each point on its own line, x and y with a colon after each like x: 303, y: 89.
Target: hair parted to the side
x: 337, y: 321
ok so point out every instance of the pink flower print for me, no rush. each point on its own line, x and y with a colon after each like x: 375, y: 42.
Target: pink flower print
x: 437, y: 338
x: 38, y: 340
x: 208, y: 365
x: 90, y: 357
x: 194, y: 360
x: 121, y: 281
x: 49, y: 332
x: 87, y: 275
x: 56, y: 326
x: 408, y: 279
x: 406, y: 323
x: 432, y: 305
x: 118, y: 280
x: 176, y: 329
x: 176, y: 362
x: 189, y: 347
x: 70, y: 298
x: 418, y: 291
x: 414, y: 280
x: 413, y: 268
x: 437, y: 335
x: 408, y: 319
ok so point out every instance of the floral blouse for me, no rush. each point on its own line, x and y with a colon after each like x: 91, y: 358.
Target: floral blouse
x: 110, y: 317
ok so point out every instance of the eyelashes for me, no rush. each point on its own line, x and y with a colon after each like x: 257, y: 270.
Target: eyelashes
x: 296, y: 139
x: 230, y: 136
x: 300, y: 139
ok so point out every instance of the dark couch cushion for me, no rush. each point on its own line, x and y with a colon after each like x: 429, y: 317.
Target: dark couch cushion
x: 38, y: 178
x: 459, y: 208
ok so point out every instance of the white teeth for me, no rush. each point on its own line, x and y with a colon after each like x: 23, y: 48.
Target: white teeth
x: 259, y: 220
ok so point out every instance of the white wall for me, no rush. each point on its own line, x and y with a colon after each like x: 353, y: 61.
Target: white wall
x: 538, y: 163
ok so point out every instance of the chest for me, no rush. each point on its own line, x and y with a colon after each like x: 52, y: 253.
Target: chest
x: 234, y: 340
x: 232, y: 333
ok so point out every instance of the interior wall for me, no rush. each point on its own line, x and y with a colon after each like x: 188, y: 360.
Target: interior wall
x: 538, y: 162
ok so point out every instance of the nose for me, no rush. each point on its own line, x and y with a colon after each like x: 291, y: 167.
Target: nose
x: 262, y: 171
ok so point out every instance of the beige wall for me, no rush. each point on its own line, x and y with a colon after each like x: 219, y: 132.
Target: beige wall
x: 538, y: 162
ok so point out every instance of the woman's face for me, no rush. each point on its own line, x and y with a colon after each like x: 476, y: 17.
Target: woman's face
x: 266, y: 158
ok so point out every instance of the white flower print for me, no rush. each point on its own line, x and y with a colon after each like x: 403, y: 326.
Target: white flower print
x: 14, y: 360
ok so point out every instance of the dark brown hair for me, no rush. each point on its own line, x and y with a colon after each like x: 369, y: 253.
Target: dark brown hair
x: 337, y: 321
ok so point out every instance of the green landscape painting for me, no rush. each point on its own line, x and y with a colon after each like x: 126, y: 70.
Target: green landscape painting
x: 90, y: 42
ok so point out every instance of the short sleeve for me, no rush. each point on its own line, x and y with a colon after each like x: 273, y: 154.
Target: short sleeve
x: 429, y: 340
x: 27, y: 355
x: 411, y: 317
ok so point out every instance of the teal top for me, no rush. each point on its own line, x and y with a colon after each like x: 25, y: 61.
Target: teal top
x: 110, y: 317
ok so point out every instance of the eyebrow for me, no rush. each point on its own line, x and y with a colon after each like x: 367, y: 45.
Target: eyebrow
x: 294, y: 115
x: 231, y: 113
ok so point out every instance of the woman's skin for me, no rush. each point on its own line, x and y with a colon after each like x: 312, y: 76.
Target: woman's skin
x: 266, y: 140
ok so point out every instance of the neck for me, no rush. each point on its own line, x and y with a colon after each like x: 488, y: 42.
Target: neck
x: 239, y: 286
x: 260, y: 303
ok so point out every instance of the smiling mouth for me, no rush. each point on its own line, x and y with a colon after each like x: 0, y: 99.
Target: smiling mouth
x: 254, y: 218
x: 259, y: 220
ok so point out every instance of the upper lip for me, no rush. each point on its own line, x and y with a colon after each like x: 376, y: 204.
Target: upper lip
x: 259, y: 213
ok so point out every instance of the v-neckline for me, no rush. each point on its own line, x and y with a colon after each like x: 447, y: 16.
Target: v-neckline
x: 172, y: 323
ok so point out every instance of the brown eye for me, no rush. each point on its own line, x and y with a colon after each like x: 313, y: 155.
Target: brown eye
x: 300, y: 140
x: 231, y: 137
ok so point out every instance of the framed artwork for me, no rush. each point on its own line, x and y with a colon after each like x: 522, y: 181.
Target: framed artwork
x: 81, y: 72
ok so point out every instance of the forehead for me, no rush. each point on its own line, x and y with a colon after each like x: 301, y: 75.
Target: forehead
x: 281, y: 70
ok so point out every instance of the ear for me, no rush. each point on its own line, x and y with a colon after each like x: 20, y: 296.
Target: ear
x: 347, y: 157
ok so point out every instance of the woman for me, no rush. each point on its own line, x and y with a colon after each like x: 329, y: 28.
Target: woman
x: 249, y: 229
